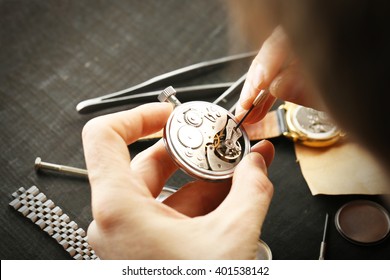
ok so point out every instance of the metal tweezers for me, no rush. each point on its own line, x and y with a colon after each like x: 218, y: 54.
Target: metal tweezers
x: 149, y: 90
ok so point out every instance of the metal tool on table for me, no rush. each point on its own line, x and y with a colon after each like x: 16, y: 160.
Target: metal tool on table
x: 79, y: 172
x: 39, y: 165
x: 323, y: 242
x: 149, y: 90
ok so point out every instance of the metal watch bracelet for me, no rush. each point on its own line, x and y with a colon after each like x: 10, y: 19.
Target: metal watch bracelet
x: 35, y: 206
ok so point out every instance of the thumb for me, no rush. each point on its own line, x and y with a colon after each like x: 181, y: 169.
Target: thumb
x: 250, y: 196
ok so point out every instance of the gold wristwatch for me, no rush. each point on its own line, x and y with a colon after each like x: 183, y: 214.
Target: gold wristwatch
x: 301, y: 124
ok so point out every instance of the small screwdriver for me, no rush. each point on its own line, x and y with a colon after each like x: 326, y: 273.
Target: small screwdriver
x: 323, y: 242
x: 260, y: 99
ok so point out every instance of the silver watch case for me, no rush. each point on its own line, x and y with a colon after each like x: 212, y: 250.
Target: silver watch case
x: 195, y: 137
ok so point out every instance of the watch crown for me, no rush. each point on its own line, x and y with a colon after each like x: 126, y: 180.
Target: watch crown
x: 168, y: 94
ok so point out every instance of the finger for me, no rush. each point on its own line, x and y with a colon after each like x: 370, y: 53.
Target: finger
x: 258, y: 112
x: 106, y: 140
x: 291, y: 85
x: 248, y: 201
x: 154, y: 158
x: 264, y: 68
x: 266, y: 149
x: 251, y: 184
x: 198, y: 198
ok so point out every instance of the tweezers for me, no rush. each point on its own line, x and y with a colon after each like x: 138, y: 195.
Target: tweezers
x: 149, y: 90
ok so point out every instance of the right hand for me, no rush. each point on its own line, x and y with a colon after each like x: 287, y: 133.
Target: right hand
x: 276, y: 67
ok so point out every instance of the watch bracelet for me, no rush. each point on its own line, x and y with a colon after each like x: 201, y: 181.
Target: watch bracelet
x: 34, y: 205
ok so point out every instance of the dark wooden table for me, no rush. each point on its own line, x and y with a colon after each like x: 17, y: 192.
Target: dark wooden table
x: 54, y: 54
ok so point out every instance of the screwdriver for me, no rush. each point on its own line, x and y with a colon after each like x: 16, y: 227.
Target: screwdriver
x: 260, y: 99
x: 323, y: 242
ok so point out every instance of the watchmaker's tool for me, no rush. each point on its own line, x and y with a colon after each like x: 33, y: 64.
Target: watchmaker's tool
x: 260, y: 99
x: 79, y: 172
x: 39, y: 165
x: 148, y: 91
x: 323, y: 242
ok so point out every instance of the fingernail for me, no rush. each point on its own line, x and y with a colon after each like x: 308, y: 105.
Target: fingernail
x: 252, y: 84
x: 257, y: 76
x: 260, y: 143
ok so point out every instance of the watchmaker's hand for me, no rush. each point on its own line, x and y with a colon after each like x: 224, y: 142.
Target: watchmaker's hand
x: 202, y: 220
x: 276, y: 68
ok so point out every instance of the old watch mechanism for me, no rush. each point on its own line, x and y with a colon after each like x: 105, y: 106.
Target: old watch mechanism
x: 203, y: 139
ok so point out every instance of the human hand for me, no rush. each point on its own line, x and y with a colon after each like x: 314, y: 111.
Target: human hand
x: 203, y: 220
x: 276, y: 67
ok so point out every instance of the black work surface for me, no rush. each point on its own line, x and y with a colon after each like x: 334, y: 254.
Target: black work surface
x: 55, y: 54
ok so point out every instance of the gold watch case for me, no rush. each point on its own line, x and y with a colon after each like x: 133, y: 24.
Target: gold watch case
x: 308, y: 126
